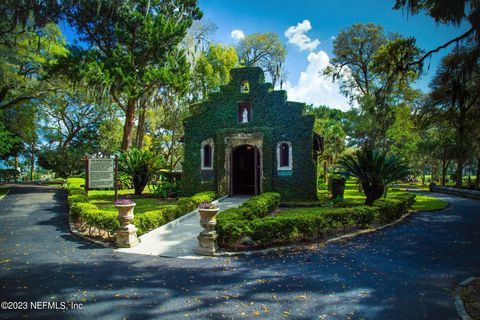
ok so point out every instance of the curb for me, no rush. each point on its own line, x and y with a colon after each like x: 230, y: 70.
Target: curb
x: 344, y: 237
x: 3, y: 196
x: 459, y: 306
x: 75, y: 232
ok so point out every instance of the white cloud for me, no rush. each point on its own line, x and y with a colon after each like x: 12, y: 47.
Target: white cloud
x: 237, y: 34
x: 296, y: 36
x: 314, y: 88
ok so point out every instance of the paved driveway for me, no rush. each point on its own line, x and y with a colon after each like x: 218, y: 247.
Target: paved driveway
x: 404, y: 272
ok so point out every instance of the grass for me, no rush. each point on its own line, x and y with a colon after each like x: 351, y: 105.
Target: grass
x: 104, y: 200
x: 426, y: 203
x: 422, y: 203
x: 3, y: 191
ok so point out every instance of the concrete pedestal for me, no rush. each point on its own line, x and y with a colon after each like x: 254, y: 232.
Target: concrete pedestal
x: 207, y: 243
x: 127, y: 236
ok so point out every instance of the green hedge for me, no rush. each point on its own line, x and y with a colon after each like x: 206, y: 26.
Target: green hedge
x: 233, y: 224
x: 259, y: 206
x: 336, y: 185
x: 93, y: 216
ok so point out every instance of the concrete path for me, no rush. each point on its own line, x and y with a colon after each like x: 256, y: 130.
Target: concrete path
x: 178, y: 238
x: 407, y: 271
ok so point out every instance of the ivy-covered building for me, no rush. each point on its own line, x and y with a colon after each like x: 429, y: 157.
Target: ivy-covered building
x: 248, y: 139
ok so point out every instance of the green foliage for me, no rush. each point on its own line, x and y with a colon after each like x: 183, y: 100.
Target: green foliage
x: 374, y: 79
x: 24, y: 61
x: 136, y: 47
x: 124, y: 181
x: 94, y: 216
x: 425, y: 203
x: 217, y: 119
x: 141, y: 165
x: 446, y: 12
x: 374, y: 170
x: 64, y: 162
x: 336, y: 185
x: 259, y: 206
x: 306, y: 223
x: 165, y: 189
x: 451, y: 104
x: 8, y: 139
x: 213, y: 67
x: 264, y: 50
x: 8, y: 175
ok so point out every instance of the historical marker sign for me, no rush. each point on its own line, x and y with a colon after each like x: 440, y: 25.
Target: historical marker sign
x: 100, y: 173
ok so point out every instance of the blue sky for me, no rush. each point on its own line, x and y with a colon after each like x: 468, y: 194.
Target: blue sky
x: 327, y: 19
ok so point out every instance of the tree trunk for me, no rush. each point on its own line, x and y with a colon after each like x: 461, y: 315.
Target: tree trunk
x: 477, y: 180
x: 32, y: 164
x: 129, y: 124
x: 325, y: 168
x: 444, y: 171
x: 373, y: 191
x: 17, y: 169
x: 434, y: 171
x: 141, y: 126
x: 459, y: 173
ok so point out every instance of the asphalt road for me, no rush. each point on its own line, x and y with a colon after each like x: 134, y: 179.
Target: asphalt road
x: 403, y: 272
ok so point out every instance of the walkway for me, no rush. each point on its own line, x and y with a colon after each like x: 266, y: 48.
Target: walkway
x: 403, y: 272
x: 178, y: 238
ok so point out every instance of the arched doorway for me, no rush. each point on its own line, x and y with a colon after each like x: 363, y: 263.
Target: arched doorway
x: 245, y: 170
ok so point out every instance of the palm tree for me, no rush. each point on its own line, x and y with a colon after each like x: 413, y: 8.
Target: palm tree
x: 374, y: 170
x: 141, y: 165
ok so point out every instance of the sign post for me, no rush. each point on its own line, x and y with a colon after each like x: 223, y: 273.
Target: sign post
x: 86, y: 174
x: 115, y: 182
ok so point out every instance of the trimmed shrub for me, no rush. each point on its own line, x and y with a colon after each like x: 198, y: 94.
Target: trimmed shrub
x: 336, y: 185
x: 93, y: 216
x: 259, y: 206
x: 236, y: 223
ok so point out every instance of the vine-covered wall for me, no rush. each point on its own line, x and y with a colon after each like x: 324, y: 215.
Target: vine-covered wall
x: 273, y: 118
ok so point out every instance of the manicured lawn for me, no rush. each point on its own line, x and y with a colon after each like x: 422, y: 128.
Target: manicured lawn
x: 104, y: 200
x: 425, y: 203
x: 422, y: 203
x: 3, y: 191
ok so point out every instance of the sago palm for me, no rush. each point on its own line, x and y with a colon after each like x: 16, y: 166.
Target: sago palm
x: 141, y: 165
x: 374, y: 170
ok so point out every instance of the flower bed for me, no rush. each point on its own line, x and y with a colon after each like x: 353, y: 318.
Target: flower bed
x: 92, y: 215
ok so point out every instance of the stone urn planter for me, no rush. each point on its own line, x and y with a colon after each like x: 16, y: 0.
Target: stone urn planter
x: 208, y: 217
x: 127, y: 233
x: 207, y: 239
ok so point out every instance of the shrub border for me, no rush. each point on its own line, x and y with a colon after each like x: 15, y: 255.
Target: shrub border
x: 317, y: 244
x: 75, y: 194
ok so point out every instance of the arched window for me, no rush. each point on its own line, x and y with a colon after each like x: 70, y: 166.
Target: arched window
x: 284, y: 160
x: 207, y: 156
x: 284, y: 155
x: 206, y: 153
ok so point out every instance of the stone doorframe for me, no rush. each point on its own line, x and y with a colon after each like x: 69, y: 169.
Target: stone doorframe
x: 238, y: 139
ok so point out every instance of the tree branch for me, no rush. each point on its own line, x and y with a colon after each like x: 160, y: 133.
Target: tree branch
x: 443, y: 46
